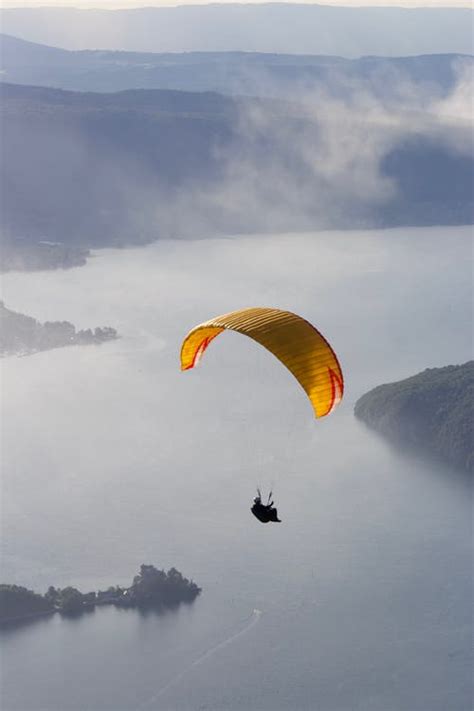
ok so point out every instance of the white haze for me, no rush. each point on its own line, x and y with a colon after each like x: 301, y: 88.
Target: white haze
x: 318, y: 160
x: 311, y: 160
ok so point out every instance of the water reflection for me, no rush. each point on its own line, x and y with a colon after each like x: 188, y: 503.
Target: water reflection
x: 8, y: 627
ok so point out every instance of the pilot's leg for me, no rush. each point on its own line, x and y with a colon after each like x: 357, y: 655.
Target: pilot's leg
x: 274, y: 516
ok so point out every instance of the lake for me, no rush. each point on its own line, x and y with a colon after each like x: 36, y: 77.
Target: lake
x: 111, y: 457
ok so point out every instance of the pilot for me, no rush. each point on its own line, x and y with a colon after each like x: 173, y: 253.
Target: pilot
x: 264, y: 512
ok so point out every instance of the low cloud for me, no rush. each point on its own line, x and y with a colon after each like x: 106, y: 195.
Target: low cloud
x: 320, y: 162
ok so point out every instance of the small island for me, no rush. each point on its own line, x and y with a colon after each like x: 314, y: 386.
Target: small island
x: 23, y: 335
x: 432, y: 411
x: 151, y: 588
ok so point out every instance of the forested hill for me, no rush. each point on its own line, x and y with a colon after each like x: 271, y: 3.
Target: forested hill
x: 433, y: 411
x: 103, y: 169
x: 90, y: 169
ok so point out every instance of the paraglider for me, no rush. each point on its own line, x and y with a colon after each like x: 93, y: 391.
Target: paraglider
x: 264, y: 512
x: 292, y: 339
x: 297, y: 344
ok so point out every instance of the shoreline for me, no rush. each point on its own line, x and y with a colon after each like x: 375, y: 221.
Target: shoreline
x: 90, y: 251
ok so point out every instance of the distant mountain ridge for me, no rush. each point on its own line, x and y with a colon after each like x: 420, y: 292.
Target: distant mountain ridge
x: 433, y: 411
x: 268, y: 27
x: 246, y: 73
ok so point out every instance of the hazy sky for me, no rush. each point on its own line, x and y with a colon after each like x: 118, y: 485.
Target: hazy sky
x: 163, y: 3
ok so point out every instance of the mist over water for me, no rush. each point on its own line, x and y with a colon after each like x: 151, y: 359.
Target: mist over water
x: 360, y: 599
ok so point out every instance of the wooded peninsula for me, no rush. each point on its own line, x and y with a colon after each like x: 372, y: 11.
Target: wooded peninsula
x: 432, y: 411
x: 23, y: 335
x: 151, y: 588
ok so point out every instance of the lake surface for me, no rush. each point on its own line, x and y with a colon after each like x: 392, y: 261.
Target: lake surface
x: 360, y: 599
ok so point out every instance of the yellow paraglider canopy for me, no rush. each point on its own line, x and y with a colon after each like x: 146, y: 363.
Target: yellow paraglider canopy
x: 292, y: 339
